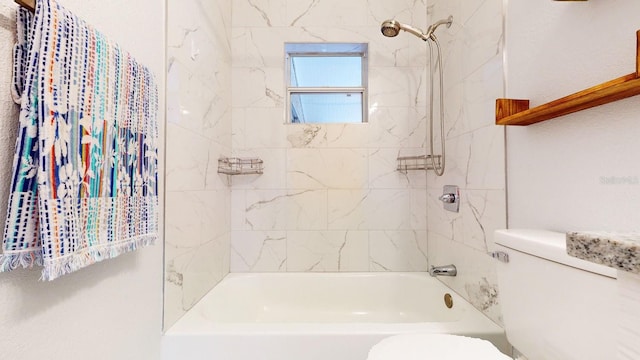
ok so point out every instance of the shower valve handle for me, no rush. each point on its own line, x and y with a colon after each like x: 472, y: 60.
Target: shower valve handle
x: 448, y: 198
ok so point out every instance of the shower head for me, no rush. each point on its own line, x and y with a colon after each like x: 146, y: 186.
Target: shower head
x: 391, y: 28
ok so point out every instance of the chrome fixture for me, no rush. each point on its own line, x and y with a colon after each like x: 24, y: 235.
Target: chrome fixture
x: 450, y: 198
x: 432, y: 28
x: 500, y: 256
x: 447, y: 270
x: 415, y: 162
x: 391, y: 28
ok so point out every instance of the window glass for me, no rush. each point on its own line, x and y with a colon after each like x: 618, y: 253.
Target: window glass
x: 328, y: 71
x: 326, y: 108
x: 326, y: 82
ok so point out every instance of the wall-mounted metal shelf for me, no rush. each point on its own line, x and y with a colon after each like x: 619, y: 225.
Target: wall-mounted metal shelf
x: 517, y: 112
x: 240, y: 166
x: 418, y: 162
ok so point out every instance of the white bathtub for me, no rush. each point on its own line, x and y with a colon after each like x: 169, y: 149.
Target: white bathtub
x: 323, y: 316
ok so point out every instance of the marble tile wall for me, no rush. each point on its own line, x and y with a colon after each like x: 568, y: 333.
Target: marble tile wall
x: 474, y: 78
x: 330, y: 198
x: 198, y: 199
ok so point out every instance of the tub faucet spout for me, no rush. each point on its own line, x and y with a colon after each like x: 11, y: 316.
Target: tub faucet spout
x: 447, y: 270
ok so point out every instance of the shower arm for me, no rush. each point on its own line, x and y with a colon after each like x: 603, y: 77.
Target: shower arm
x: 432, y: 28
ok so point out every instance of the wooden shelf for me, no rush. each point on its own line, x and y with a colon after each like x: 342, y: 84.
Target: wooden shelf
x: 517, y: 112
x: 28, y: 4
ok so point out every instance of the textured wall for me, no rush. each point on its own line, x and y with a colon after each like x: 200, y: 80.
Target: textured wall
x: 111, y: 310
x: 330, y: 198
x: 581, y: 171
x: 578, y: 172
x: 473, y: 75
x: 198, y: 132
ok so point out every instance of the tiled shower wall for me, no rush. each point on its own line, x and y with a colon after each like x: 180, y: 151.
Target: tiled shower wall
x: 474, y: 78
x: 330, y: 198
x: 198, y: 224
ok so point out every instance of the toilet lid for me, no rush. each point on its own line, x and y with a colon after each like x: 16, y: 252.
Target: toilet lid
x: 434, y: 346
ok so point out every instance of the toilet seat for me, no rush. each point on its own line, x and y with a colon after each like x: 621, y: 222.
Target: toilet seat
x: 434, y: 346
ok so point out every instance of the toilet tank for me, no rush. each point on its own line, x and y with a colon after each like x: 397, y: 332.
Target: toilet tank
x: 555, y: 307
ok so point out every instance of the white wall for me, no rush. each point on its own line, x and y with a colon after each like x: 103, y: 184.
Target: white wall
x: 581, y: 171
x: 111, y: 310
x: 628, y: 334
x: 330, y: 198
x: 473, y: 78
x: 198, y: 133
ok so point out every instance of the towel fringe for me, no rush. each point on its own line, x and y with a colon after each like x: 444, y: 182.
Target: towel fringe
x: 25, y: 259
x: 66, y: 265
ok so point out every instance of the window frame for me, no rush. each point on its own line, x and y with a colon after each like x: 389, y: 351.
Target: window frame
x: 327, y: 50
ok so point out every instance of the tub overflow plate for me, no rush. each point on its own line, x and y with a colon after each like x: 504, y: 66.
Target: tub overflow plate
x: 448, y: 300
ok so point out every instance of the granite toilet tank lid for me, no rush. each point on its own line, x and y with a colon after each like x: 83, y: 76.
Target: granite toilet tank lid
x: 547, y: 245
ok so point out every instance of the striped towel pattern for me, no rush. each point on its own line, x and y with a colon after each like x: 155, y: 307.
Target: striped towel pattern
x: 84, y: 186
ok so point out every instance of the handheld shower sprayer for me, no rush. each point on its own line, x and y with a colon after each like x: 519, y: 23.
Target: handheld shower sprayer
x: 391, y: 28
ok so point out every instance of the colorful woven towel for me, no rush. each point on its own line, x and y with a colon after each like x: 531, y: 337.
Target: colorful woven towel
x: 84, y: 187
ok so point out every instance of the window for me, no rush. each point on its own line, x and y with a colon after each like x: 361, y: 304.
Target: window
x: 326, y: 82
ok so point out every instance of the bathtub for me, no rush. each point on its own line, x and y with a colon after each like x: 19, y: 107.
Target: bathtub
x: 318, y: 316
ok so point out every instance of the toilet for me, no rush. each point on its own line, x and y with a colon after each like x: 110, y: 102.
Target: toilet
x: 555, y: 307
